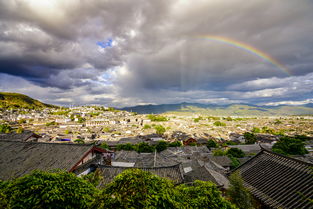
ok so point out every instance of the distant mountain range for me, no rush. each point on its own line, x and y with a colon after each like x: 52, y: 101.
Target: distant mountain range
x: 232, y: 109
x: 15, y: 100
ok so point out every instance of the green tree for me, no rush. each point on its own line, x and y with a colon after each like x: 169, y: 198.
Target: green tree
x: 159, y: 129
x: 157, y: 118
x: 290, y: 146
x: 237, y: 193
x: 19, y: 130
x: 104, y: 146
x: 5, y: 128
x: 256, y: 130
x: 127, y: 147
x: 146, y: 126
x: 219, y: 123
x: 235, y: 152
x: 49, y: 190
x: 135, y: 188
x: 203, y: 195
x: 219, y: 152
x: 175, y: 144
x: 212, y: 144
x: 144, y: 147
x: 161, y: 145
x: 250, y: 138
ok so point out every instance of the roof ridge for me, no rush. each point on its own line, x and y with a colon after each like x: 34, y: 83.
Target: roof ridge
x: 140, y: 167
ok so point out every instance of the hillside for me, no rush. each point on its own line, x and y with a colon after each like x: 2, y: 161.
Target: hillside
x: 15, y: 100
x: 233, y: 109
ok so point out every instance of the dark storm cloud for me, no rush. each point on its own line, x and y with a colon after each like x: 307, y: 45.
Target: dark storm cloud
x: 156, y: 54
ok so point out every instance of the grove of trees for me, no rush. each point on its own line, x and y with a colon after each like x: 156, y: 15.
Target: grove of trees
x: 133, y: 188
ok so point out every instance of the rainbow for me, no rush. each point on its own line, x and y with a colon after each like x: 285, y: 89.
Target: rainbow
x: 249, y: 49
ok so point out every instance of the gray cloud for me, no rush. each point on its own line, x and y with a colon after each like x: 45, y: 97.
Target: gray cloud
x: 157, y: 55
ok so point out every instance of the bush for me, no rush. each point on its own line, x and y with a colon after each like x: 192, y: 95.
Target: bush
x: 290, y: 146
x: 250, y: 138
x: 256, y: 130
x: 203, y: 195
x: 104, y: 146
x: 219, y: 123
x: 127, y: 147
x: 144, y: 147
x: 212, y: 144
x: 161, y: 145
x: 160, y: 130
x: 135, y: 188
x: 157, y: 118
x: 5, y: 128
x: 235, y: 152
x: 49, y: 190
x: 175, y: 144
x: 237, y: 193
x: 219, y: 152
x: 146, y: 126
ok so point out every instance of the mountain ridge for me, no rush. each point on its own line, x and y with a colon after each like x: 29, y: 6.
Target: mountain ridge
x: 239, y: 109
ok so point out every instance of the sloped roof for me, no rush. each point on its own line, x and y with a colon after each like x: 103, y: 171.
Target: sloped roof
x: 18, y: 136
x: 279, y: 181
x: 221, y: 160
x: 20, y: 158
x: 170, y: 172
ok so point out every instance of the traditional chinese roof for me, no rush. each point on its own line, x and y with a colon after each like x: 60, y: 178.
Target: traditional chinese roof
x: 170, y: 172
x: 279, y: 181
x: 25, y: 136
x: 20, y: 158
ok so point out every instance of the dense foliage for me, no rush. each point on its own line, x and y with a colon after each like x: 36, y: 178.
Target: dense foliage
x: 5, y: 128
x: 159, y: 129
x: 290, y: 146
x: 250, y: 138
x: 133, y: 188
x: 145, y: 147
x: 212, y: 144
x: 202, y: 195
x: 237, y: 193
x: 157, y: 118
x: 219, y: 123
x: 235, y: 152
x: 49, y: 190
x: 139, y: 189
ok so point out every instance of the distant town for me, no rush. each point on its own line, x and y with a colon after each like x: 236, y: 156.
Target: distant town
x: 181, y: 147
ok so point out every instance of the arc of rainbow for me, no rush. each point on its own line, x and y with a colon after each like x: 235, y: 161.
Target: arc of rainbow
x: 249, y: 49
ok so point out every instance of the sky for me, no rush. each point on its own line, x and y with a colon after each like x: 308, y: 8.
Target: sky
x: 123, y: 53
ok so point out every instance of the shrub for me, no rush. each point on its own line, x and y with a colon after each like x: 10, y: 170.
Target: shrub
x: 160, y: 130
x: 144, y: 147
x: 175, y: 144
x: 5, y: 128
x: 157, y: 118
x: 146, y: 126
x: 219, y: 152
x: 203, y: 195
x: 290, y: 146
x: 235, y: 152
x: 237, y: 193
x: 49, y: 190
x: 250, y: 138
x: 219, y: 123
x: 135, y: 188
x: 212, y: 144
x: 161, y: 145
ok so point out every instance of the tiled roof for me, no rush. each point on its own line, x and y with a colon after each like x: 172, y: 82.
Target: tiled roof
x: 279, y: 181
x: 20, y: 158
x: 170, y: 172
